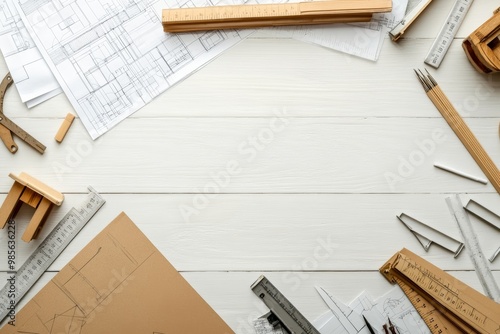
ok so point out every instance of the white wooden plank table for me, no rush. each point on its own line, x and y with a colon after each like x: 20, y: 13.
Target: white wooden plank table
x: 278, y: 158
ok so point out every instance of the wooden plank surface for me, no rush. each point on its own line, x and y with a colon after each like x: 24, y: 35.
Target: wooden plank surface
x: 279, y: 158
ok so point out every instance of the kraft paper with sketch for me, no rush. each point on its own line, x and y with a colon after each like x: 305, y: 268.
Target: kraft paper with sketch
x: 119, y: 283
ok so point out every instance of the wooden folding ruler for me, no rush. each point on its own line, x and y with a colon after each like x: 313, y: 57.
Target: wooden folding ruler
x: 7, y: 127
x: 446, y: 304
x: 253, y: 16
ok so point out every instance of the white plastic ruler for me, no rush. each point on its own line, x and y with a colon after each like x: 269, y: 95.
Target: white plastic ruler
x: 447, y: 33
x: 471, y: 242
x: 46, y: 253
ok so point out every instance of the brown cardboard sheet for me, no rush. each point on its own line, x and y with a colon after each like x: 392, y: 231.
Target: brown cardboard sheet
x: 119, y: 283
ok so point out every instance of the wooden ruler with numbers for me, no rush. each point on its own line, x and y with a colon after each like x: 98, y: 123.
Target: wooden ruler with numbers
x: 446, y: 304
x: 253, y: 16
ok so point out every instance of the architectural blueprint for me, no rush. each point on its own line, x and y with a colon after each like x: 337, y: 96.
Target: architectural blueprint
x: 394, y: 305
x: 111, y: 57
x: 33, y: 78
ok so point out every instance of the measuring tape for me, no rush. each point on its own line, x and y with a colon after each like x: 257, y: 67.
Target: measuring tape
x: 446, y: 304
x: 448, y: 32
x: 287, y: 314
x: 49, y: 250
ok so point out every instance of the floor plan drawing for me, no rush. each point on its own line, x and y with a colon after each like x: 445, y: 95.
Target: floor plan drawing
x: 34, y: 80
x: 112, y: 57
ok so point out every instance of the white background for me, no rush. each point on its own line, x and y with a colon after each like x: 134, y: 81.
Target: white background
x: 311, y: 136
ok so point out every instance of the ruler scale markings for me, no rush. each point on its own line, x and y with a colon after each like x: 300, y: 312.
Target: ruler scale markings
x: 282, y: 308
x: 447, y: 33
x: 50, y: 248
x: 437, y: 294
x: 261, y: 15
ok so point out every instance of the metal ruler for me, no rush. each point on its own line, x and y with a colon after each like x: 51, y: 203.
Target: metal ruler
x: 448, y: 31
x: 46, y: 253
x: 446, y: 304
x: 473, y: 248
x: 283, y: 309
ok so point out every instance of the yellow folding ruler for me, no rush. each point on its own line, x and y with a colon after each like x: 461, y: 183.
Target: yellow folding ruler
x: 446, y: 304
x: 253, y: 16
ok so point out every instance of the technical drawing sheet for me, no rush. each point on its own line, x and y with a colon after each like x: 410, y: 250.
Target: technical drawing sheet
x: 33, y: 78
x: 395, y: 305
x: 111, y: 57
x: 340, y: 319
x: 363, y: 40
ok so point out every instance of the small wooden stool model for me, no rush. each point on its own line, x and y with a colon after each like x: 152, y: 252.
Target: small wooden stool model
x: 27, y: 189
x: 482, y: 47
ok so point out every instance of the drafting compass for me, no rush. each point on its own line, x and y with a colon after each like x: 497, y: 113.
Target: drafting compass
x: 7, y: 127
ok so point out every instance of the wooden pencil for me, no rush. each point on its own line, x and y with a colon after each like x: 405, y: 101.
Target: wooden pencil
x: 463, y: 132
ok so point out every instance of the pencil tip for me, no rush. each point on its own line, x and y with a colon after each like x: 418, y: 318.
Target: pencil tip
x: 423, y: 80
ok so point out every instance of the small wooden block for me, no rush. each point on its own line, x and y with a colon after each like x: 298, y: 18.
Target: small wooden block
x: 10, y: 203
x: 30, y: 197
x: 63, y: 129
x: 37, y: 221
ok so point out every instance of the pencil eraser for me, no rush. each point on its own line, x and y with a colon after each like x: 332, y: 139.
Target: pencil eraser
x: 63, y: 129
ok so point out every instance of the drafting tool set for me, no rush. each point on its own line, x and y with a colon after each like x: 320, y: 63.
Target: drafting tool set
x: 7, y: 127
x: 482, y: 47
x: 281, y: 309
x: 48, y: 251
x: 457, y: 124
x: 446, y: 304
x: 253, y: 16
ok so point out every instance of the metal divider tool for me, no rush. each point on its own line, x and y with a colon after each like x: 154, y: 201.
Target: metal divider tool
x: 474, y: 249
x: 281, y: 308
x: 49, y: 250
x: 428, y: 235
x: 447, y: 33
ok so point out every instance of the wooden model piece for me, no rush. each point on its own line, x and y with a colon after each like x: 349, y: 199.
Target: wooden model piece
x: 63, y: 129
x: 267, y: 15
x: 482, y: 47
x: 446, y: 304
x: 29, y: 190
